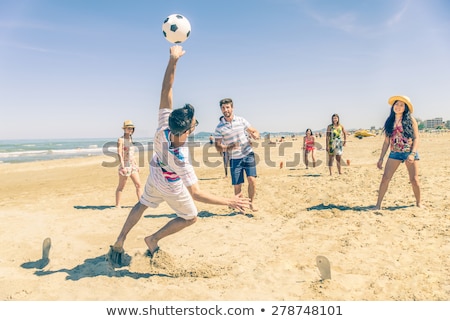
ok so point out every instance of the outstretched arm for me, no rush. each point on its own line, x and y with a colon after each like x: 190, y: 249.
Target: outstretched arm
x: 166, y: 92
x: 237, y: 202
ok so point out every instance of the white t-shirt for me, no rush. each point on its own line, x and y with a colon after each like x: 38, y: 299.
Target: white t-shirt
x: 234, y: 132
x: 170, y: 167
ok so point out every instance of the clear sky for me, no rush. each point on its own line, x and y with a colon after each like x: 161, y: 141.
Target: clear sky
x: 78, y: 69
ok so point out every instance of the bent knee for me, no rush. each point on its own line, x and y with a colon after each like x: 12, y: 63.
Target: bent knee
x: 251, y: 180
x: 386, y: 178
x: 414, y: 180
x: 190, y: 221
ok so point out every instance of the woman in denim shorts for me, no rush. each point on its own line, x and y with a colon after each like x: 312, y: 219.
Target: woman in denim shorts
x: 402, y: 138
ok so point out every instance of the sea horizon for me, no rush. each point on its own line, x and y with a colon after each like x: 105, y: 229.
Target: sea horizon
x: 41, y: 149
x: 31, y: 150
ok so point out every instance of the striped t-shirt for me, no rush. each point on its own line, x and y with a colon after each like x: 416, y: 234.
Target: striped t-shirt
x: 234, y: 132
x: 170, y: 167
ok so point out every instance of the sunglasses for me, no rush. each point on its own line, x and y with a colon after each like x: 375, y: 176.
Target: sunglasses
x: 190, y: 128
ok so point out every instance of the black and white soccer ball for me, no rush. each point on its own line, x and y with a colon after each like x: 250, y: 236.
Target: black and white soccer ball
x: 176, y: 28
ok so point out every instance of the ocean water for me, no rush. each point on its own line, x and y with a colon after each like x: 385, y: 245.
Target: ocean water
x: 31, y: 150
x: 20, y: 151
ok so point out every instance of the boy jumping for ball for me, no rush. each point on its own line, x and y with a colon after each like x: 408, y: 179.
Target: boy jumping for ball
x: 172, y: 178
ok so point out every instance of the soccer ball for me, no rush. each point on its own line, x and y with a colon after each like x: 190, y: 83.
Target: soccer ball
x: 176, y: 28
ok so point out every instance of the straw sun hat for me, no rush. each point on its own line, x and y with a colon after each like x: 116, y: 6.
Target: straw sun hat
x: 405, y: 99
x: 127, y: 123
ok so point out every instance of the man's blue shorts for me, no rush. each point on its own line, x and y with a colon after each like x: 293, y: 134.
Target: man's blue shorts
x: 402, y: 156
x: 239, y: 166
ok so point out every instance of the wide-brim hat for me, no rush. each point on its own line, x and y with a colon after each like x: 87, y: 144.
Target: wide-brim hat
x: 127, y: 123
x: 405, y: 99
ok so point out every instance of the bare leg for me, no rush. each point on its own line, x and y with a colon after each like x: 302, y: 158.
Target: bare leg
x: 338, y: 163
x: 137, y: 184
x: 330, y: 162
x: 313, y: 158
x: 306, y: 158
x: 225, y: 164
x: 413, y: 171
x: 252, y: 191
x: 132, y: 219
x: 119, y: 189
x: 237, y: 189
x: 389, y: 170
x: 173, y: 226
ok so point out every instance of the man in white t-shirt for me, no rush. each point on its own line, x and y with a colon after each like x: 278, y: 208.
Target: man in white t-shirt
x: 232, y: 136
x: 172, y: 178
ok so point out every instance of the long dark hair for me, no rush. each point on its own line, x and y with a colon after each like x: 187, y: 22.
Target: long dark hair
x: 406, y: 123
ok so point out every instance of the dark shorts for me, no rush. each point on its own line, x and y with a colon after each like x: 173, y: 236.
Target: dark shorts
x: 239, y: 166
x: 402, y: 156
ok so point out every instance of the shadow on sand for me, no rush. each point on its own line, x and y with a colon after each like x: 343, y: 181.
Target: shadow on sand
x: 200, y: 214
x: 97, y: 207
x: 322, y: 207
x: 93, y: 267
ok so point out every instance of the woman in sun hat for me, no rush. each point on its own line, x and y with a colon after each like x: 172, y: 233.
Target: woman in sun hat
x: 402, y: 137
x: 128, y: 166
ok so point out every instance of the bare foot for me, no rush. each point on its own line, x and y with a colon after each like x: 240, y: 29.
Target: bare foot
x: 152, y: 245
x: 253, y: 207
x: 374, y: 208
x: 118, y: 246
x: 420, y: 205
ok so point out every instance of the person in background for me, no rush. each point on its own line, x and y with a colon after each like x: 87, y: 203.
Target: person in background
x: 232, y: 136
x: 402, y: 138
x: 128, y: 166
x: 308, y: 147
x: 335, y: 141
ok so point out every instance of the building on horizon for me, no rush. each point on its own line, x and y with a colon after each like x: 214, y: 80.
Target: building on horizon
x: 433, y: 123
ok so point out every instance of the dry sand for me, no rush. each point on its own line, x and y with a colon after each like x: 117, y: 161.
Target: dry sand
x: 399, y: 253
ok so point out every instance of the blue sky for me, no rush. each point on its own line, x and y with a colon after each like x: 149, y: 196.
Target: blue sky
x: 78, y: 69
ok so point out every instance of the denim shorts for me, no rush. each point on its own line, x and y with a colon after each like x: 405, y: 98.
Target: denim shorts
x: 402, y: 156
x: 239, y: 166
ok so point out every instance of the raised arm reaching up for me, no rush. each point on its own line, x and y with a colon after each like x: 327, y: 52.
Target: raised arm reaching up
x: 166, y: 92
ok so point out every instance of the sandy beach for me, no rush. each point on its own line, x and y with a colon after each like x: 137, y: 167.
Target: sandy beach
x: 398, y: 253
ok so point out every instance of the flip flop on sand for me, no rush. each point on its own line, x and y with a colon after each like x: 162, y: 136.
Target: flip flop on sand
x: 115, y: 256
x: 324, y: 267
x: 46, y: 245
